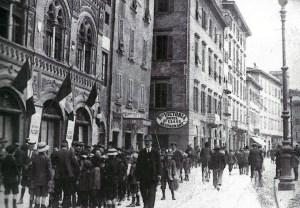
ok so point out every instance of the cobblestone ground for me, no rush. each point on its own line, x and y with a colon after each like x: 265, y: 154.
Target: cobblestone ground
x: 295, y: 202
x: 266, y: 193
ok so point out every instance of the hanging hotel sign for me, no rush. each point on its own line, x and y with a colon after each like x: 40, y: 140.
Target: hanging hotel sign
x: 35, y: 125
x: 172, y: 119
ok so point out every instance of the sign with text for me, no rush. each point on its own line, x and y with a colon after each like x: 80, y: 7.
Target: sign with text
x: 172, y: 119
x: 35, y: 125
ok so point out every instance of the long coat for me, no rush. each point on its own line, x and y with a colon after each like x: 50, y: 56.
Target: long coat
x: 168, y: 169
x: 256, y: 158
x: 41, y: 170
x: 218, y: 160
x: 148, y: 166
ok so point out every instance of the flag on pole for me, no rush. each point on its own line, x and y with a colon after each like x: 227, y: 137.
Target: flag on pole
x: 23, y: 83
x: 92, y: 96
x: 65, y: 97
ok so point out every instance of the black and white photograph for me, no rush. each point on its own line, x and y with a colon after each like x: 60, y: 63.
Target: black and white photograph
x: 149, y: 103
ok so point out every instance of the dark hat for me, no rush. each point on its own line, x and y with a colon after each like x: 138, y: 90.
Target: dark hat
x: 30, y: 141
x: 173, y: 143
x: 112, y: 152
x: 11, y: 148
x: 42, y: 147
x: 148, y: 137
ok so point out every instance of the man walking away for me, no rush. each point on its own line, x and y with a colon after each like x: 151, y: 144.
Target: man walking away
x: 205, y: 156
x: 41, y: 175
x: 148, y: 170
x: 295, y: 164
x: 218, y: 164
x: 231, y: 160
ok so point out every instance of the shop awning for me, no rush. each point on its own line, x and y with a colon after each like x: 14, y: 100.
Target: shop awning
x: 259, y: 140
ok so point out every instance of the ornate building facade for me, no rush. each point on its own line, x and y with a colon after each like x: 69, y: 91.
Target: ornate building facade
x: 57, y: 37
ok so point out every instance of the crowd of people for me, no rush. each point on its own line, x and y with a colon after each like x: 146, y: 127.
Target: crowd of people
x: 94, y: 176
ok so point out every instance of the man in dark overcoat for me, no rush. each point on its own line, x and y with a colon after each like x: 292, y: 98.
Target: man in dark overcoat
x: 148, y: 171
x: 256, y: 161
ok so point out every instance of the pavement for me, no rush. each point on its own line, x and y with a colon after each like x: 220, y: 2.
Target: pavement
x: 237, y: 191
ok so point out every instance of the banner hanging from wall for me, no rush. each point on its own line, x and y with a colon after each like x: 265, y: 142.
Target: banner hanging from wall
x: 35, y: 125
x: 70, y: 132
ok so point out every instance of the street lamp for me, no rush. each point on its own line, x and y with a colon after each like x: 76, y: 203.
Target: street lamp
x: 286, y: 151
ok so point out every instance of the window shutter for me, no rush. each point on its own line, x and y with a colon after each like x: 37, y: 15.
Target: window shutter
x: 170, y: 47
x: 171, y: 6
x: 169, y: 96
x: 152, y: 95
x: 154, y: 48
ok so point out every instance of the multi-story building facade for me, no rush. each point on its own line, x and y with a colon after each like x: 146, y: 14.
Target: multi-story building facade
x: 254, y: 108
x: 270, y: 116
x: 131, y: 72
x: 294, y: 103
x: 58, y: 37
x: 235, y: 37
x: 187, y: 73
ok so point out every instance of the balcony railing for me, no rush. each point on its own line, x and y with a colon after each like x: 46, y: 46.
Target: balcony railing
x: 228, y: 88
x: 213, y: 120
x: 17, y: 54
x: 227, y: 111
x: 239, y: 126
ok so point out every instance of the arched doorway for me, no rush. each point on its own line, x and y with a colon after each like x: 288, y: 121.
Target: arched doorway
x: 11, y: 116
x: 82, y: 126
x: 51, y: 126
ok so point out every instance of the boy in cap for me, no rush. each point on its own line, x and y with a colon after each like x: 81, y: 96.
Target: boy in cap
x: 133, y: 184
x: 11, y: 175
x: 168, y: 167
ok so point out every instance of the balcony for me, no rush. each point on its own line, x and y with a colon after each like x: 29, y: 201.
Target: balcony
x: 17, y: 54
x: 213, y: 120
x: 227, y: 89
x: 239, y: 126
x: 227, y: 111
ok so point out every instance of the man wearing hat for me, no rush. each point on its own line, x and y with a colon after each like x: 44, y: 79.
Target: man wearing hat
x: 178, y: 157
x: 148, y: 172
x: 168, y: 174
x: 66, y: 172
x: 41, y: 174
x: 256, y: 160
x: 27, y: 152
x: 11, y: 175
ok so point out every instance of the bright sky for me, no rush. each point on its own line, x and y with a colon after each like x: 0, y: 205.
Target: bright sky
x: 264, y: 46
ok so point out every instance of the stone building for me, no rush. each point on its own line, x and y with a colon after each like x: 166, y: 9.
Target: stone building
x: 235, y: 38
x: 295, y: 114
x: 131, y: 58
x: 187, y: 79
x: 58, y: 37
x: 270, y: 116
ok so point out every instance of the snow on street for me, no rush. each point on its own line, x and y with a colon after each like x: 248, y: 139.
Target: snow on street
x: 236, y: 192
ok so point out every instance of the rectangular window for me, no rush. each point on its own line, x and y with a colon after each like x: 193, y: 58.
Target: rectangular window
x: 216, y: 35
x: 161, y: 90
x: 197, y: 15
x: 215, y: 106
x: 204, y: 20
x: 163, y: 6
x: 121, y: 35
x: 203, y: 56
x: 215, y: 68
x: 229, y: 49
x: 209, y: 62
x: 210, y: 29
x: 104, y: 66
x: 130, y: 89
x: 119, y: 85
x: 164, y: 47
x: 145, y: 46
x: 131, y: 44
x: 196, y: 99
x: 209, y: 104
x: 142, y: 95
x: 106, y: 18
x: 202, y: 102
x: 197, y: 60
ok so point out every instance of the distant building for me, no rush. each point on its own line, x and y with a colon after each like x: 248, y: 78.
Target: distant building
x: 295, y: 115
x: 235, y: 37
x: 131, y: 71
x: 270, y: 116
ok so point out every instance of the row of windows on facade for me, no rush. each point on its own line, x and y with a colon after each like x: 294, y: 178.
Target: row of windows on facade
x: 239, y: 112
x: 129, y: 90
x: 56, y: 34
x: 270, y: 88
x: 239, y: 86
x: 272, y: 107
x: 237, y: 56
x: 270, y: 124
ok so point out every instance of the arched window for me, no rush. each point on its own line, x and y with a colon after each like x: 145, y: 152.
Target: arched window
x: 55, y: 31
x: 82, y: 126
x: 86, y: 48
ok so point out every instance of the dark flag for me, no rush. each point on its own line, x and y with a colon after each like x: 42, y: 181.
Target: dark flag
x: 92, y: 96
x: 23, y: 82
x: 65, y: 97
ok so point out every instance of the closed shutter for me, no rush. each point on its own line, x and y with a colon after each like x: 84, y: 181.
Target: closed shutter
x: 169, y: 96
x: 170, y: 47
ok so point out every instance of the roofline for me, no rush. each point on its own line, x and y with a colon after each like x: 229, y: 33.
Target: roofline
x: 251, y: 79
x: 259, y: 71
x: 219, y: 12
x: 232, y: 3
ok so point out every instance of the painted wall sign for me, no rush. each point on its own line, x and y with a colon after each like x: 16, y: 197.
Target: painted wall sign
x: 172, y: 119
